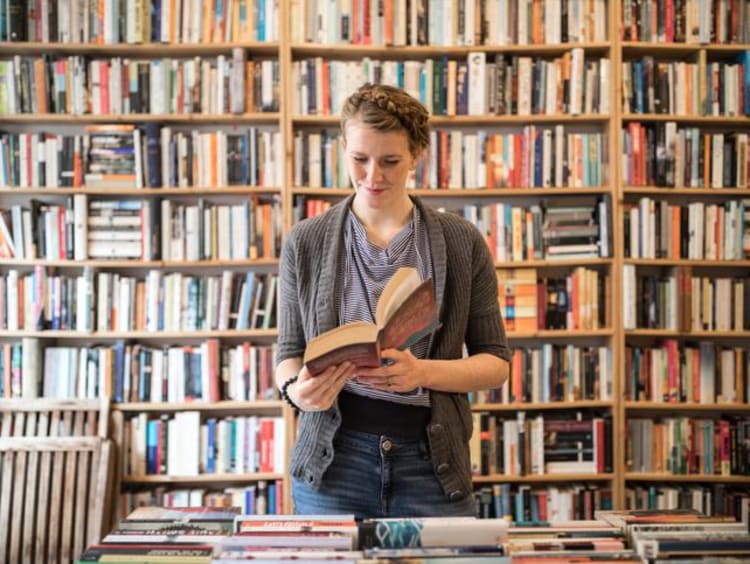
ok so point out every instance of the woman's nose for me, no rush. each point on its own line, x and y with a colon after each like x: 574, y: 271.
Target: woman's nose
x: 374, y: 172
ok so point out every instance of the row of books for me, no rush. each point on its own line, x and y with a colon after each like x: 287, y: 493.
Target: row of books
x: 505, y: 85
x: 554, y: 373
x: 144, y: 21
x: 682, y: 88
x: 663, y: 154
x: 705, y: 373
x: 698, y: 230
x: 430, y: 22
x: 187, y: 444
x: 532, y: 504
x: 553, y: 229
x: 711, y: 499
x: 541, y: 444
x: 678, y: 301
x: 137, y: 373
x: 529, y: 303
x: 223, y: 535
x: 142, y: 229
x: 159, y: 302
x: 81, y: 85
x: 261, y: 497
x: 686, y: 445
x: 165, y: 157
x: 685, y: 21
x: 535, y: 156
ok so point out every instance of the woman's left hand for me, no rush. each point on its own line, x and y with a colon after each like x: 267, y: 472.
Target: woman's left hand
x: 401, y: 372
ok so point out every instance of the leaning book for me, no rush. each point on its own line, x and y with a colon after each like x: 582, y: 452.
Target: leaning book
x: 406, y: 311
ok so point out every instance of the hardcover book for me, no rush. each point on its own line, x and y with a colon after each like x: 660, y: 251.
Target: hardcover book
x: 405, y: 312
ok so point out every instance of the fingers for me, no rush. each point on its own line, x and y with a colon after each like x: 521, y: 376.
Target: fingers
x: 318, y: 393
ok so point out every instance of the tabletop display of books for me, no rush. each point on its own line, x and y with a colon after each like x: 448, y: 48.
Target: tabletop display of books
x: 199, y: 535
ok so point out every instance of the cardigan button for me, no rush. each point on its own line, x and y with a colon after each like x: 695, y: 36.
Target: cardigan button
x: 443, y: 468
x: 456, y: 495
x: 436, y: 429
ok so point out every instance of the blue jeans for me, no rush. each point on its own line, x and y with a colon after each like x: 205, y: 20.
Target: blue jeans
x: 378, y: 476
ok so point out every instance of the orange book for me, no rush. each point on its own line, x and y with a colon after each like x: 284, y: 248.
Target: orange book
x: 249, y: 86
x: 388, y: 21
x: 208, y: 22
x: 140, y: 305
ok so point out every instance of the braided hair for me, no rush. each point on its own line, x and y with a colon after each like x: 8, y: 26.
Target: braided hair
x: 386, y: 108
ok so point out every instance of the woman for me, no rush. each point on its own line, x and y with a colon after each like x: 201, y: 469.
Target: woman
x: 389, y: 441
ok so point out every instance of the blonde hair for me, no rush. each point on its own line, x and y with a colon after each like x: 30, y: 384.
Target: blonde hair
x: 386, y: 108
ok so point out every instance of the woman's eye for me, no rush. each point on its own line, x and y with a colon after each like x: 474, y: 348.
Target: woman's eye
x: 390, y: 163
x: 360, y: 159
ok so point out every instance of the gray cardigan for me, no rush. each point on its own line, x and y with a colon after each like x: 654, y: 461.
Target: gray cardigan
x: 466, y: 287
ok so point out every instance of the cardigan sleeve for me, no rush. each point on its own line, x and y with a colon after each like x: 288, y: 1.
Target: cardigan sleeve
x: 485, y: 332
x: 291, y: 340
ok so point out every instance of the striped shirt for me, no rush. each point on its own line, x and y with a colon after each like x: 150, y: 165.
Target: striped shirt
x: 365, y: 270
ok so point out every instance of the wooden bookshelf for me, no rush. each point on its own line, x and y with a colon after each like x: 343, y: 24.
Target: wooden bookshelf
x: 288, y: 50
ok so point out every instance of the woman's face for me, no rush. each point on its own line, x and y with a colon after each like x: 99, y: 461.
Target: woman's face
x: 379, y: 163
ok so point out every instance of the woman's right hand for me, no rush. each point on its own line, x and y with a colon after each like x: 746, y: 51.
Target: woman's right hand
x: 317, y: 393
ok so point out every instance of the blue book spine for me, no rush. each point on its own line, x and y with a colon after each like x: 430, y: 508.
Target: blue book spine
x: 211, y: 446
x: 271, y: 503
x: 119, y: 371
x: 261, y: 20
x: 152, y: 444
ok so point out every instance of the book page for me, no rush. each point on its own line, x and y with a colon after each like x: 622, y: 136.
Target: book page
x: 414, y: 318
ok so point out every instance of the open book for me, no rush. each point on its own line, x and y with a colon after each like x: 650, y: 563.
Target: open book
x: 406, y: 311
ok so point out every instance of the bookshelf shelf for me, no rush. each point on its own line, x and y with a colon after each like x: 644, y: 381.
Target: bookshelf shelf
x: 202, y: 478
x: 637, y: 406
x: 142, y: 335
x: 166, y: 191
x: 560, y: 334
x: 688, y: 478
x: 694, y: 192
x: 271, y: 118
x: 141, y: 265
x: 555, y: 264
x: 343, y: 51
x: 479, y: 120
x: 462, y: 193
x: 543, y: 478
x: 150, y: 50
x: 689, y: 262
x: 673, y: 334
x: 221, y: 407
x: 689, y: 119
x: 680, y: 49
x: 554, y: 405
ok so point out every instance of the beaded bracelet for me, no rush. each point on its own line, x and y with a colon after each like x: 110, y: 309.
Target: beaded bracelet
x: 284, y: 393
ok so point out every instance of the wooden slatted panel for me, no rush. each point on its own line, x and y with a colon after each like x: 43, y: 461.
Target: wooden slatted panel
x: 84, y: 483
x: 28, y: 537
x: 17, y: 505
x: 6, y: 483
x: 43, y: 507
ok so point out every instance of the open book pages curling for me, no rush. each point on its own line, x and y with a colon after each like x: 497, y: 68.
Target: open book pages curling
x: 406, y: 311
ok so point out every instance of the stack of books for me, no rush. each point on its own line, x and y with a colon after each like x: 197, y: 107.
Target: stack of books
x: 222, y: 536
x: 165, y: 534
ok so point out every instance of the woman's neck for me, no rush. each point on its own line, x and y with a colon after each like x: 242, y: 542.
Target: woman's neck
x: 382, y: 225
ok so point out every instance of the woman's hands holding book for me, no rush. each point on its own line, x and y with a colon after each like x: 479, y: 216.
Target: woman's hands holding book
x: 400, y: 372
x: 317, y: 393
